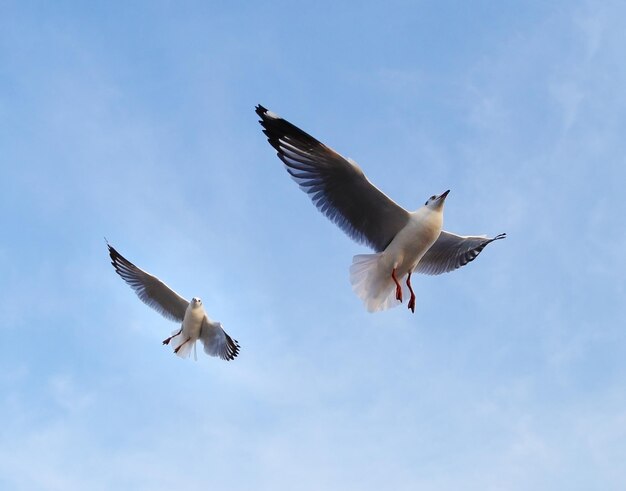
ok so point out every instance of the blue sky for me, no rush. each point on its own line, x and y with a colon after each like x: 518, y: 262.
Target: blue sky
x: 136, y: 122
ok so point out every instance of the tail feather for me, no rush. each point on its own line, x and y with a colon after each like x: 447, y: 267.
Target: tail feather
x: 184, y: 348
x: 372, y: 283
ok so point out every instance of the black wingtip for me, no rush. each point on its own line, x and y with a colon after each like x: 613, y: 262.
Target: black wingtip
x: 112, y: 252
x: 500, y: 236
x: 117, y: 259
x: 260, y: 110
x: 234, y: 348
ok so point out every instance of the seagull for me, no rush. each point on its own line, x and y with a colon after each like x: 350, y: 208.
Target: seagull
x: 195, y: 323
x: 405, y: 241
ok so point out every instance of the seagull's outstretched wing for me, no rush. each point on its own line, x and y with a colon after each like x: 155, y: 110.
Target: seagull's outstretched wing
x: 216, y: 342
x: 149, y: 289
x: 451, y: 251
x: 337, y: 186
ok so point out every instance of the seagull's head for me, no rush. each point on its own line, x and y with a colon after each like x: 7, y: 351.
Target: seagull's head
x: 196, y: 301
x: 436, y: 202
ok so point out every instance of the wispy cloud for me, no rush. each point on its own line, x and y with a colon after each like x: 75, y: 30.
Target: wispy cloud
x: 509, y: 375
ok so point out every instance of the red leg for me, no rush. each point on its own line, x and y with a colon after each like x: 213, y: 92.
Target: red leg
x: 398, y: 287
x: 183, y: 344
x: 411, y: 304
x: 167, y: 341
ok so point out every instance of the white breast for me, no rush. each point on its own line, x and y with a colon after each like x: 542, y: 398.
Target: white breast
x: 192, y: 322
x: 412, y: 242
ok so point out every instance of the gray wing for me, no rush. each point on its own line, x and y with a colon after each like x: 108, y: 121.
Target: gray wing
x: 451, y: 251
x: 337, y: 186
x: 216, y: 342
x: 152, y: 291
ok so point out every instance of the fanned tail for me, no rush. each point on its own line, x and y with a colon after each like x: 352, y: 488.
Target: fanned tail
x: 372, y: 284
x: 184, y: 348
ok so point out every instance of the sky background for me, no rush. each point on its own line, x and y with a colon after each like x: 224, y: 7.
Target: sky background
x: 135, y: 121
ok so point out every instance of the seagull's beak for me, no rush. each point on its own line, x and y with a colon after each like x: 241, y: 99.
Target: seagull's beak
x: 443, y: 196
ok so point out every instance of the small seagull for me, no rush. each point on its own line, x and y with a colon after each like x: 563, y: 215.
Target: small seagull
x: 405, y: 242
x: 195, y: 323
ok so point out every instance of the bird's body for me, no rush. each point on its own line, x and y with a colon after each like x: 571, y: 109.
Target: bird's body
x: 192, y: 323
x: 195, y: 323
x: 185, y: 338
x: 372, y: 275
x: 404, y: 241
x: 413, y: 240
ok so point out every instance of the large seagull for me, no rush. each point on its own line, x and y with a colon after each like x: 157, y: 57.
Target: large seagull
x: 195, y: 323
x: 405, y: 241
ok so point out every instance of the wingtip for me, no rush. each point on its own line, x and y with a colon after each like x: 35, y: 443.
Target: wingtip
x: 112, y: 251
x: 500, y: 236
x: 265, y: 113
x: 234, y: 350
x: 109, y: 246
x: 116, y: 257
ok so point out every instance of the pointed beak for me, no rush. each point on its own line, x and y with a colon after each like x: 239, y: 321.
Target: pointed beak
x: 443, y: 196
